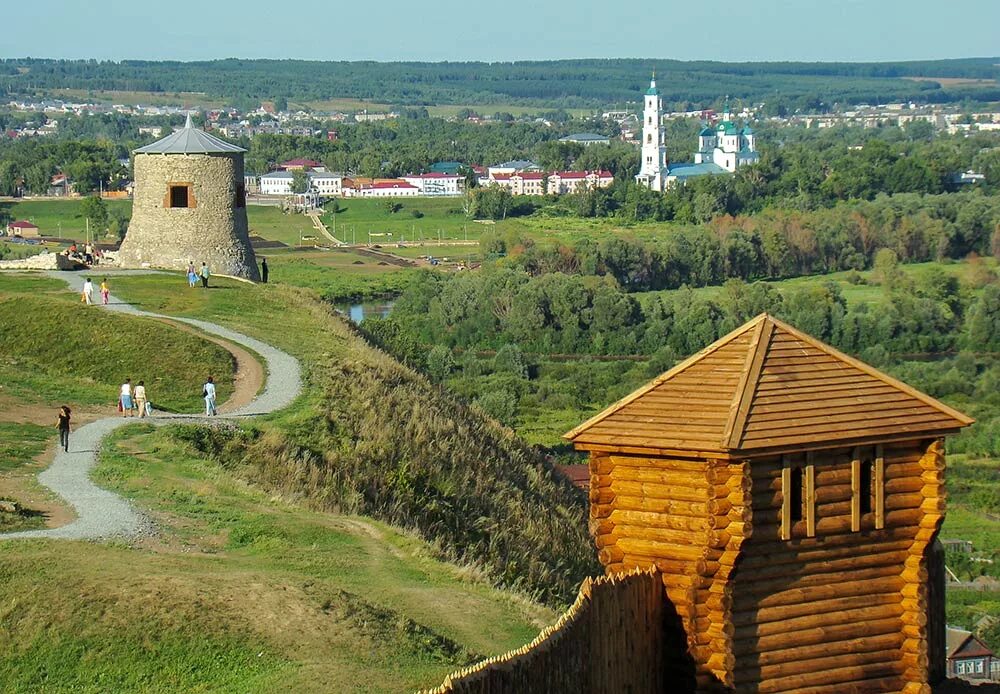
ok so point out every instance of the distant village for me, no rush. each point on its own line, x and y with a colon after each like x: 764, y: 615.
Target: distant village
x: 715, y: 154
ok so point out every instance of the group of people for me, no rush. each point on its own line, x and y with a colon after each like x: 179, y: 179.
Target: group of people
x: 87, y: 296
x: 194, y: 275
x: 133, y: 400
x: 91, y: 255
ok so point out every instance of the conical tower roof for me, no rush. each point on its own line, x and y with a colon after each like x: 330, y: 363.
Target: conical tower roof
x: 763, y: 388
x: 189, y: 140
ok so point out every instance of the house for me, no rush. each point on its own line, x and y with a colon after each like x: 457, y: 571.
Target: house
x: 320, y: 182
x: 586, y: 139
x: 435, y: 183
x: 562, y: 182
x: 967, y: 177
x: 379, y: 188
x: 790, y: 496
x: 60, y: 186
x: 514, y: 166
x: 968, y: 657
x: 300, y: 165
x: 23, y: 228
x: 276, y: 183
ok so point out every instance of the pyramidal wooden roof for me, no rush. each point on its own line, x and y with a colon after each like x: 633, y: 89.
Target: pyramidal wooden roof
x: 766, y: 387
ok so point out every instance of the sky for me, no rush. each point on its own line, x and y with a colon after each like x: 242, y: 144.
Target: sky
x: 437, y: 30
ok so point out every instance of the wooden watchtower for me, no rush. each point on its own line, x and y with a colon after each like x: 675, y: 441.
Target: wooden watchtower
x: 790, y: 495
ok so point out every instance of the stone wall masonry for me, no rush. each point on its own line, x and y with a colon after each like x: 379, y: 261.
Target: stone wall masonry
x: 42, y: 261
x: 214, y: 231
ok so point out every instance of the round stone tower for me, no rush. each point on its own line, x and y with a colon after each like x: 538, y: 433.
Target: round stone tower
x: 190, y: 206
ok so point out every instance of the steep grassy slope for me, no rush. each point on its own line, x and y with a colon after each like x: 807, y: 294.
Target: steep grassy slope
x: 374, y: 437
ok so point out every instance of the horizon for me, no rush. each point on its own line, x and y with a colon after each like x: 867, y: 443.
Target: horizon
x: 656, y: 60
x: 767, y: 31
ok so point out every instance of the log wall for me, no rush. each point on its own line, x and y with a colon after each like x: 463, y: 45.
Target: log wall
x: 844, y: 610
x: 610, y: 640
x: 687, y: 518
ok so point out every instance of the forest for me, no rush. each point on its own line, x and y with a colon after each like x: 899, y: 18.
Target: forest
x: 565, y: 83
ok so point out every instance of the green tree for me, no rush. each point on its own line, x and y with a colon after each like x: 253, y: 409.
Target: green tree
x: 96, y: 210
x: 300, y: 182
x: 983, y: 332
x: 440, y: 363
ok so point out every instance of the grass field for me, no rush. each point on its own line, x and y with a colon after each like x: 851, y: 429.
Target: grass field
x: 59, y: 217
x: 56, y: 350
x: 243, y: 590
x: 131, y: 98
x: 239, y: 592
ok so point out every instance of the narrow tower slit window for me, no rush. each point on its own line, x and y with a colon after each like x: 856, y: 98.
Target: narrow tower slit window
x: 867, y: 487
x: 797, y: 495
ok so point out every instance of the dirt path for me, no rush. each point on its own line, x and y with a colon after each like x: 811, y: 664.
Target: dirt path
x: 102, y: 514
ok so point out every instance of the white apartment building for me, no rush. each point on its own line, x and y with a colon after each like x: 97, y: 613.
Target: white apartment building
x: 435, y: 183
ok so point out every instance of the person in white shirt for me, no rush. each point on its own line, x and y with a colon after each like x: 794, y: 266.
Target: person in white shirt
x: 126, y: 398
x: 88, y: 292
x: 140, y: 398
x: 209, y: 392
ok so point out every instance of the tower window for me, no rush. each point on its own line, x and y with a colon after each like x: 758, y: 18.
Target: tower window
x: 649, y: 139
x: 796, y: 494
x: 179, y: 195
x: 867, y: 486
x: 241, y: 196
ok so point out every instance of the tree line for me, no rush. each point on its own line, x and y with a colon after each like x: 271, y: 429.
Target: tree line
x: 563, y: 83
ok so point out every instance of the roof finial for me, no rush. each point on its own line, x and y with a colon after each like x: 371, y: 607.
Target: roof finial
x: 187, y: 121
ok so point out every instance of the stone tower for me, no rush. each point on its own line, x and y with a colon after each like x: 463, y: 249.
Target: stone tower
x: 190, y: 206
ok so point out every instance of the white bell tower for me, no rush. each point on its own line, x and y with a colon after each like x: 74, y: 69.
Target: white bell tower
x: 653, y: 169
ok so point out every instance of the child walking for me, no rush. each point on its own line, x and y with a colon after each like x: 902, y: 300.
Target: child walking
x: 105, y: 292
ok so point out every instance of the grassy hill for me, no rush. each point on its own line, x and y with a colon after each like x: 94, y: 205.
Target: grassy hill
x: 262, y: 573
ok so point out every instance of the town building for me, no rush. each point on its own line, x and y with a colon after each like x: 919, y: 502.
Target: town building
x: 300, y: 165
x: 23, y: 228
x: 790, y: 497
x: 586, y: 139
x: 320, y: 182
x: 515, y: 166
x: 436, y: 183
x: 969, y: 658
x: 190, y: 206
x: 563, y: 182
x: 378, y: 188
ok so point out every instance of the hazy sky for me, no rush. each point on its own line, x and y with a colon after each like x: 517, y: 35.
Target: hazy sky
x: 469, y: 30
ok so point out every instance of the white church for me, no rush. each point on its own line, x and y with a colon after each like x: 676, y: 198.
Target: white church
x: 721, y: 150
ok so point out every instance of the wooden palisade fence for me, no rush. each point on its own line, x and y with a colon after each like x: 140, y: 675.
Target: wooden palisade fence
x: 610, y: 640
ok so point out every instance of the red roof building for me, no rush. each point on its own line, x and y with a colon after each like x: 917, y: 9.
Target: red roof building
x: 300, y: 165
x: 22, y: 228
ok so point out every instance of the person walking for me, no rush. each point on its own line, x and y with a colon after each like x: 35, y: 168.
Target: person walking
x: 208, y: 391
x: 126, y: 398
x: 204, y: 275
x: 62, y: 424
x: 192, y: 274
x: 105, y: 292
x: 140, y: 398
x: 88, y: 292
x: 263, y: 270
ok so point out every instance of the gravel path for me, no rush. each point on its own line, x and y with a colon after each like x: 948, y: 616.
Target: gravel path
x: 102, y: 514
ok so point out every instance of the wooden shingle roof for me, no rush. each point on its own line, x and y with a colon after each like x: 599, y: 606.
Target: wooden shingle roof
x: 762, y: 388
